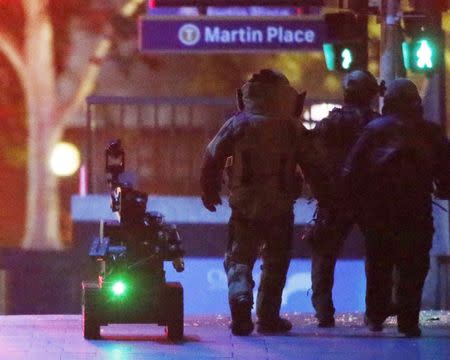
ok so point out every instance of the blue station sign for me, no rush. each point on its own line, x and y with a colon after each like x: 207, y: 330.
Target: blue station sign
x: 230, y: 34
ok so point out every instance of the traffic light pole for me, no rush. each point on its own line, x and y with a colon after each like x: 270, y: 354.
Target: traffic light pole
x: 391, y: 64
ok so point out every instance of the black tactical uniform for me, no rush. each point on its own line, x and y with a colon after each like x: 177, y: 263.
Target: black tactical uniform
x: 391, y: 173
x: 333, y: 222
x: 263, y: 145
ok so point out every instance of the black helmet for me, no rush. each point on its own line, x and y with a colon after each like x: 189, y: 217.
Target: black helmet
x: 402, y: 96
x: 402, y: 91
x: 360, y: 86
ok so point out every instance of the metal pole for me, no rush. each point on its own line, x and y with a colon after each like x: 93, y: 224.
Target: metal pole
x: 391, y: 60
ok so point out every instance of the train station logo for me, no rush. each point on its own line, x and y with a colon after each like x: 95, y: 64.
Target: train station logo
x: 189, y: 34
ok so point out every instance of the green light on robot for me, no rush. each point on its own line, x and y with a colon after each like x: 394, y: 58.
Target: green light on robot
x: 347, y: 58
x: 424, y: 55
x: 119, y: 288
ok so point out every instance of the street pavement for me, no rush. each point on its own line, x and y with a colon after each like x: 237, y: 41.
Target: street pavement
x: 49, y: 337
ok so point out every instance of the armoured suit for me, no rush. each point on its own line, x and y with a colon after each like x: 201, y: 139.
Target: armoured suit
x: 333, y: 222
x: 262, y: 146
x: 390, y: 175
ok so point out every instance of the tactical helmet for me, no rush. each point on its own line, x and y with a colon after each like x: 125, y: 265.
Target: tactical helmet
x: 360, y: 86
x: 402, y: 91
x: 402, y: 96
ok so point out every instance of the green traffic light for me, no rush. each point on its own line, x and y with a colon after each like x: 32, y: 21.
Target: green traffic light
x: 424, y: 55
x: 119, y: 288
x: 330, y: 58
x: 344, y: 56
x: 421, y: 54
x: 347, y: 58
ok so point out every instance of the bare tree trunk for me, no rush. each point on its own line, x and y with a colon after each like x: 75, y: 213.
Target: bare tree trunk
x: 46, y: 119
x: 42, y: 228
x: 42, y: 222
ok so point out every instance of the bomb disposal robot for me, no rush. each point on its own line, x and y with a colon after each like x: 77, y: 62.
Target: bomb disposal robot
x: 131, y: 286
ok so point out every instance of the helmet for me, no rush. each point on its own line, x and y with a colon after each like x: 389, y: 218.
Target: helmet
x: 402, y: 96
x: 402, y: 91
x: 360, y: 86
x: 269, y: 76
x: 281, y: 95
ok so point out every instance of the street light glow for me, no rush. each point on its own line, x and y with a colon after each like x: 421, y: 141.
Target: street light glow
x: 65, y: 159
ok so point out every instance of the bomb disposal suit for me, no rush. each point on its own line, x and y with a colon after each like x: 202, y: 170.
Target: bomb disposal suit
x: 262, y: 143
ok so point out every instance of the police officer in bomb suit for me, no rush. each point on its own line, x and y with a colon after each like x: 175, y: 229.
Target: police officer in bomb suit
x: 263, y: 147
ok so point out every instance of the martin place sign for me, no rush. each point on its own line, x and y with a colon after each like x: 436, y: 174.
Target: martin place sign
x: 222, y: 34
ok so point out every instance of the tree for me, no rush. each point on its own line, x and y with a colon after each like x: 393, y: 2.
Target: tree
x: 31, y: 51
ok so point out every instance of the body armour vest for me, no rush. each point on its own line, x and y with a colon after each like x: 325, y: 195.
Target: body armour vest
x: 262, y: 178
x: 340, y: 131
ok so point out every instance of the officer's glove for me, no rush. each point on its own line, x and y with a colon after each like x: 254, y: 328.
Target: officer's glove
x: 210, y: 201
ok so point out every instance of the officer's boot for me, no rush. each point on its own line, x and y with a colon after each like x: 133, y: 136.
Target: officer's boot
x: 268, y: 306
x: 410, y: 330
x: 373, y: 325
x: 408, y: 321
x: 412, y: 275
x: 277, y: 325
x: 240, y: 297
x: 241, y: 316
x: 322, y: 277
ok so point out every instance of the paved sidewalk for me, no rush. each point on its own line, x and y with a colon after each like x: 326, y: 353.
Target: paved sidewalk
x: 49, y: 337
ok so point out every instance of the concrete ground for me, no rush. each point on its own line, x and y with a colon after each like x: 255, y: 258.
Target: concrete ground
x: 49, y: 337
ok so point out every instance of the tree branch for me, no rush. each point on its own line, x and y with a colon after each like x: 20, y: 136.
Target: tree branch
x: 15, y: 57
x: 87, y: 83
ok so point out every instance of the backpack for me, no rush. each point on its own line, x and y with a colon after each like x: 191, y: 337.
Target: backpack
x: 396, y: 178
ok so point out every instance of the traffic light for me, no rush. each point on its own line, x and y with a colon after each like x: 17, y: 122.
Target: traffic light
x: 344, y: 56
x: 421, y: 54
x: 344, y: 51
